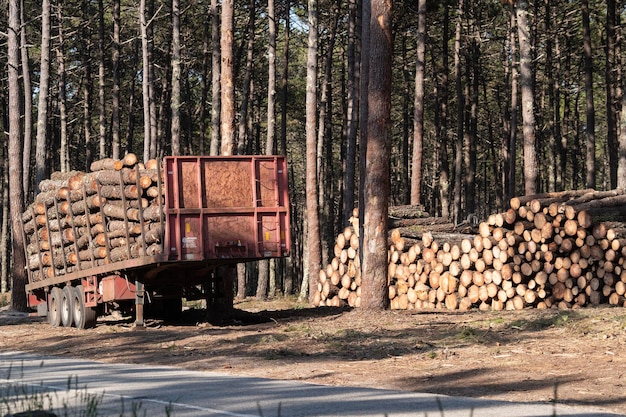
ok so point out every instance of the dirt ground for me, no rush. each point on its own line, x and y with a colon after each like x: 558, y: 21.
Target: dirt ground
x: 574, y: 357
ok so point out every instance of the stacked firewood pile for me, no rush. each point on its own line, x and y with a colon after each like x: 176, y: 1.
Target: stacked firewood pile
x: 81, y: 220
x: 553, y: 250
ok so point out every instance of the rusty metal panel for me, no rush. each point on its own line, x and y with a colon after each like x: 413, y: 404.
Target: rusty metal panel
x: 117, y: 288
x: 233, y: 207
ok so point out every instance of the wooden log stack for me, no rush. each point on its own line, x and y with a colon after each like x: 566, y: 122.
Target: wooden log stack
x: 545, y: 251
x: 81, y: 220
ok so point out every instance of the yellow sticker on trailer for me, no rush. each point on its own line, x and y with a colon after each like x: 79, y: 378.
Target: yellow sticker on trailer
x: 267, y: 235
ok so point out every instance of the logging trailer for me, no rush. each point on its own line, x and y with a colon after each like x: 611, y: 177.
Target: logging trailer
x: 214, y: 212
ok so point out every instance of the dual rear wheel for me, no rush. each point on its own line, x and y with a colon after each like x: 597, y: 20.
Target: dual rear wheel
x: 67, y: 307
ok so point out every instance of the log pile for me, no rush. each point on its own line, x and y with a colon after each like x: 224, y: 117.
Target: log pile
x: 546, y: 251
x: 81, y: 220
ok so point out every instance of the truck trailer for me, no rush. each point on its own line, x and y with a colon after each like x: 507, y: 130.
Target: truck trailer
x: 137, y: 239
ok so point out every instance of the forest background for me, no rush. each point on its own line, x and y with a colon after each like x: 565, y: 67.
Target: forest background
x: 490, y: 99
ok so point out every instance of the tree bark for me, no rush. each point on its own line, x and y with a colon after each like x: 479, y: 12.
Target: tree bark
x: 418, y: 115
x: 284, y: 81
x: 621, y: 163
x: 28, y: 102
x: 227, y: 81
x: 528, y: 101
x: 44, y: 89
x: 145, y: 80
x: 115, y: 62
x: 243, y: 139
x: 610, y: 63
x: 264, y: 265
x: 460, y: 116
x: 18, y: 292
x: 175, y: 100
x: 590, y: 154
x: 511, y: 161
x: 101, y: 94
x: 313, y: 225
x: 4, y: 232
x: 351, y: 114
x: 215, y: 80
x: 441, y: 160
x: 62, y: 95
x: 376, y: 181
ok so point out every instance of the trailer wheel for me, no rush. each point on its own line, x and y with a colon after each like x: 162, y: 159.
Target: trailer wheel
x: 84, y: 317
x: 54, y: 307
x: 67, y: 306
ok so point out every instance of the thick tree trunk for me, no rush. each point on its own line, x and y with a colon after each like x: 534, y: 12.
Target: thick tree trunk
x: 441, y: 161
x: 44, y: 87
x: 215, y: 80
x: 364, y: 73
x: 243, y: 142
x: 313, y: 225
x: 284, y: 81
x: 28, y: 102
x: 175, y: 100
x: 227, y: 80
x: 18, y: 292
x: 590, y: 154
x: 145, y: 80
x: 376, y: 181
x: 511, y: 148
x: 528, y: 101
x: 418, y: 115
x: 460, y: 116
x: 610, y: 65
x: 101, y: 94
x: 4, y: 232
x: 115, y: 62
x: 352, y: 115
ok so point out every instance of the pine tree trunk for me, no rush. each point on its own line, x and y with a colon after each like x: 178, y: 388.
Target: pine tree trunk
x: 145, y: 80
x: 418, y: 115
x: 18, y: 292
x: 101, y: 94
x: 460, y: 116
x: 376, y: 181
x: 353, y: 71
x: 62, y: 99
x: 227, y: 85
x: 528, y: 101
x: 28, y: 102
x: 44, y: 89
x: 590, y: 154
x: 175, y: 99
x: 115, y: 61
x: 4, y: 232
x: 313, y: 224
x: 243, y: 136
x: 215, y: 79
x: 284, y: 81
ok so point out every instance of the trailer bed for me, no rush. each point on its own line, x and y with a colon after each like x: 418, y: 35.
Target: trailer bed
x: 213, y: 211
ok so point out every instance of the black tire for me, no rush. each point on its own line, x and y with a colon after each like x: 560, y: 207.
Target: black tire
x: 54, y: 306
x: 84, y: 317
x: 67, y: 306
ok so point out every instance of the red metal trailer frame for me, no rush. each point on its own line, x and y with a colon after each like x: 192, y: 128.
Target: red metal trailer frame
x: 216, y: 211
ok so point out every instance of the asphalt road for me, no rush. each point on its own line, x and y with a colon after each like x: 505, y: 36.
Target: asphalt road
x: 72, y: 386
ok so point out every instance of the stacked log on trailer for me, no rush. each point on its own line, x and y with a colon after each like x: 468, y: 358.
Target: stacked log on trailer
x: 82, y: 220
x: 553, y: 250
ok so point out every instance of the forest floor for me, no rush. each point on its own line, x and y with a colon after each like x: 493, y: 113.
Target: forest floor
x: 577, y: 357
